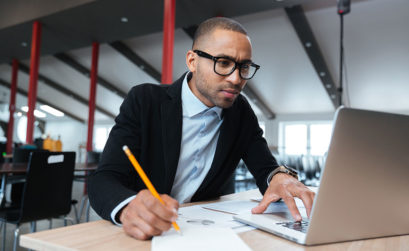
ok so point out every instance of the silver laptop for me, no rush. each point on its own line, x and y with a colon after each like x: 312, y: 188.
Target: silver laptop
x: 364, y: 187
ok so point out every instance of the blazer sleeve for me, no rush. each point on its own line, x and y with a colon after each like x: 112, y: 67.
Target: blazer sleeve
x: 257, y: 156
x: 115, y: 179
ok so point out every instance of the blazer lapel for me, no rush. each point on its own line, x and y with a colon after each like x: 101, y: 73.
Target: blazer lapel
x: 171, y: 122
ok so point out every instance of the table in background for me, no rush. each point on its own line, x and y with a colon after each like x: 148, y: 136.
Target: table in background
x: 103, y: 235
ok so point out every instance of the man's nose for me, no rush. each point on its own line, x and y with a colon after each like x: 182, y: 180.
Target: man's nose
x: 234, y: 77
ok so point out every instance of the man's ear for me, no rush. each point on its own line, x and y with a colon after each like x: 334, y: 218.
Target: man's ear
x: 191, y: 61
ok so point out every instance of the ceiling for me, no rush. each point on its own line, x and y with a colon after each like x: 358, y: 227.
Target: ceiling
x: 376, y: 51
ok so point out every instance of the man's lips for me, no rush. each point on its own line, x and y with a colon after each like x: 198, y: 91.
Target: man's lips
x: 229, y: 93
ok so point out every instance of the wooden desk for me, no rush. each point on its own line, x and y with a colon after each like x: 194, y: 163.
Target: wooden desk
x: 102, y: 235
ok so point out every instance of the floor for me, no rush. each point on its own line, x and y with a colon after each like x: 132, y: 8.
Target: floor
x: 44, y: 224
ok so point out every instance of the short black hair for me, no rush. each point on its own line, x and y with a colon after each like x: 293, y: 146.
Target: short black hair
x: 211, y: 24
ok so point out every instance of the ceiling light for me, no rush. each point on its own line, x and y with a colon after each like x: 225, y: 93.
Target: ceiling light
x: 24, y: 108
x: 24, y: 44
x: 37, y: 113
x: 124, y: 19
x: 333, y: 96
x: 328, y: 86
x: 322, y: 74
x: 308, y: 44
x: 52, y: 110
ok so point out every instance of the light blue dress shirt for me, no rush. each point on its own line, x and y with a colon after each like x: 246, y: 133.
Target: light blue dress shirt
x: 200, y: 132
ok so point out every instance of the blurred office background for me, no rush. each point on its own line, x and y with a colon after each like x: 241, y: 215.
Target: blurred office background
x: 294, y: 100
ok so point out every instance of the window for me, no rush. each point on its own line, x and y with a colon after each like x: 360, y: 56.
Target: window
x: 101, y: 136
x: 295, y: 139
x: 320, y: 135
x: 305, y: 138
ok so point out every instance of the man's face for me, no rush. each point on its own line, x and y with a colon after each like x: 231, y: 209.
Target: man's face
x: 211, y: 88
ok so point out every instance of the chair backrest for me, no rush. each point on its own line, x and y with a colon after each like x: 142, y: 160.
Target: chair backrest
x: 22, y: 155
x: 48, y: 187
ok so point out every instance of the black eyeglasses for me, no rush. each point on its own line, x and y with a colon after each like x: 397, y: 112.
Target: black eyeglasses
x: 225, y: 66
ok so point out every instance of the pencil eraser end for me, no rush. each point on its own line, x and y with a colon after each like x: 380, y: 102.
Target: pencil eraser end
x: 125, y: 147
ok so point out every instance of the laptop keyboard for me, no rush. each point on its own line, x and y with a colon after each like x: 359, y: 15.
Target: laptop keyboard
x: 301, y: 226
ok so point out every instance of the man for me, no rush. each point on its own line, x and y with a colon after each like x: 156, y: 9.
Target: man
x: 189, y: 138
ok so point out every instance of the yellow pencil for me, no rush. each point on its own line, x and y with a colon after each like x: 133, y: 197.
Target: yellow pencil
x: 146, y: 180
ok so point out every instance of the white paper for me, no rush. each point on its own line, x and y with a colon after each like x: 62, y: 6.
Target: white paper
x: 199, y: 216
x: 199, y: 238
x: 232, y: 206
x: 245, y: 206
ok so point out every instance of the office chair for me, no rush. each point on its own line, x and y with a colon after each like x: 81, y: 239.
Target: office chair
x: 20, y: 155
x: 92, y: 158
x: 46, y: 193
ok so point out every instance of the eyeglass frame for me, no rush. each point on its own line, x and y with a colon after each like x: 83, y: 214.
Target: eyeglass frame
x: 236, y: 64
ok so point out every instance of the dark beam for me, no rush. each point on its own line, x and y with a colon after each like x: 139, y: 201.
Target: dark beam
x: 84, y: 70
x: 24, y: 93
x: 310, y: 44
x: 64, y: 90
x: 137, y: 60
x: 190, y: 31
x: 248, y: 90
x: 252, y: 95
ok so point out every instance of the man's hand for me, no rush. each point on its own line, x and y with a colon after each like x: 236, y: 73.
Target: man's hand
x: 286, y: 187
x: 145, y: 216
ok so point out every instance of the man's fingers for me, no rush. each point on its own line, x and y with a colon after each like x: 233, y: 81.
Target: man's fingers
x: 147, y: 228
x: 264, y: 203
x: 170, y: 202
x: 307, y: 198
x: 154, y: 220
x: 165, y: 212
x: 145, y: 216
x: 130, y: 224
x: 290, y: 202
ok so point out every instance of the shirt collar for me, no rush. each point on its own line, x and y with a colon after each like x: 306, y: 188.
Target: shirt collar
x: 191, y: 104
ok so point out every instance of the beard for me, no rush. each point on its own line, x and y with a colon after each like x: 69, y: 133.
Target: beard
x: 213, y: 92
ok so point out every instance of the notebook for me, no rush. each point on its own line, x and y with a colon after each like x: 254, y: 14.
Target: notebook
x: 364, y: 185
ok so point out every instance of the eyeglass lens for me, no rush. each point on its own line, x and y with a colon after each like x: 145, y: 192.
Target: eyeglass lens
x: 225, y: 66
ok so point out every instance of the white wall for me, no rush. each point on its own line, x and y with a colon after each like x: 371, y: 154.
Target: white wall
x: 72, y: 134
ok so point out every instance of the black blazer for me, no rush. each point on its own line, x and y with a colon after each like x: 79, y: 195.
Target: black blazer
x: 150, y: 124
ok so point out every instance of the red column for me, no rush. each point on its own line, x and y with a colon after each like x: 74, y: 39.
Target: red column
x: 12, y: 106
x: 32, y: 89
x: 168, y: 41
x: 92, y: 94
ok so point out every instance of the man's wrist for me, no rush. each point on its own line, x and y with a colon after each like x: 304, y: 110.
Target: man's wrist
x: 282, y: 169
x: 116, y: 213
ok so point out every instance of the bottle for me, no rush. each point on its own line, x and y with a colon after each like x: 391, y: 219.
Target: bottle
x: 58, y: 144
x: 47, y: 143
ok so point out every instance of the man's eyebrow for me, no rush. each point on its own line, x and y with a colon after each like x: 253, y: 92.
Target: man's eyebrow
x: 231, y: 58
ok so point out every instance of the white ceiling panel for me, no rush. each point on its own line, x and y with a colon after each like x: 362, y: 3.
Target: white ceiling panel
x: 149, y: 47
x: 376, y: 52
x: 112, y: 66
x: 64, y: 75
x: 286, y: 80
